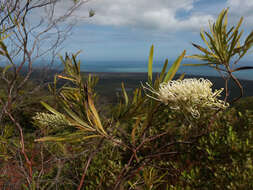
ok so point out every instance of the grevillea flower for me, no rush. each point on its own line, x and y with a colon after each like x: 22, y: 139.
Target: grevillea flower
x: 191, y: 95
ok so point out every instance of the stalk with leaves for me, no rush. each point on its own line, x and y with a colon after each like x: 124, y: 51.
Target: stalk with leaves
x: 224, y: 49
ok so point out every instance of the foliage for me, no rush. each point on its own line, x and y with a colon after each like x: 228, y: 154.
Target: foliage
x: 222, y: 159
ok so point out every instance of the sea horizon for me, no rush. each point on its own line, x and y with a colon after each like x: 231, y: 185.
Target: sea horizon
x: 141, y: 67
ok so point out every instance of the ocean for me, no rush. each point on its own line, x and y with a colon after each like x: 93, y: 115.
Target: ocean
x: 141, y: 66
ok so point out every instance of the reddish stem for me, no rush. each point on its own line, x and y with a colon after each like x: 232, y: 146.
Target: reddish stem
x: 22, y: 143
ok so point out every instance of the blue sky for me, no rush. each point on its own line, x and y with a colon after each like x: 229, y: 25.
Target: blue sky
x: 125, y: 29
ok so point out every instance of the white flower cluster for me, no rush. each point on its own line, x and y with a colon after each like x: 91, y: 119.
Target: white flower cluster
x: 52, y: 120
x: 190, y: 95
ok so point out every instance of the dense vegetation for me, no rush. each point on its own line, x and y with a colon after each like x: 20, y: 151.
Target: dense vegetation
x: 151, y: 139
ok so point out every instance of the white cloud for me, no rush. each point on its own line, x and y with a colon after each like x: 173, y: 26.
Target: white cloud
x: 243, y: 8
x: 164, y: 15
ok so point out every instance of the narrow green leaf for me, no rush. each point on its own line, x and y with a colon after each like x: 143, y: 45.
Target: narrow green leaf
x: 181, y: 76
x: 234, y: 42
x: 196, y: 65
x: 204, y: 39
x: 200, y: 57
x: 156, y: 82
x: 150, y: 63
x: 203, y: 49
x: 218, y: 24
x: 65, y: 138
x: 49, y: 108
x: 249, y: 37
x: 66, y: 78
x: 214, y: 44
x: 135, y: 96
x: 133, y: 133
x: 6, y: 68
x: 95, y: 115
x: 124, y: 92
x: 52, y: 139
x: 226, y: 20
x: 239, y: 24
x: 163, y: 70
x: 229, y: 32
x: 78, y: 120
x: 173, y: 69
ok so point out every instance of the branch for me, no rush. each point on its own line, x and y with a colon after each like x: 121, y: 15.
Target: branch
x: 92, y: 154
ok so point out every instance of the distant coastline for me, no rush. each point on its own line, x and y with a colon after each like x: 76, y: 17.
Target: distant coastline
x: 110, y: 82
x: 141, y: 67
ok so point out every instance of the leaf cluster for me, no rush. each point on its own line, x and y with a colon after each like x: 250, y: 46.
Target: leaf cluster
x: 223, y: 44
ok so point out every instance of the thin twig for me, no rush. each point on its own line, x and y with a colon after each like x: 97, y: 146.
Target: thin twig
x: 92, y: 154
